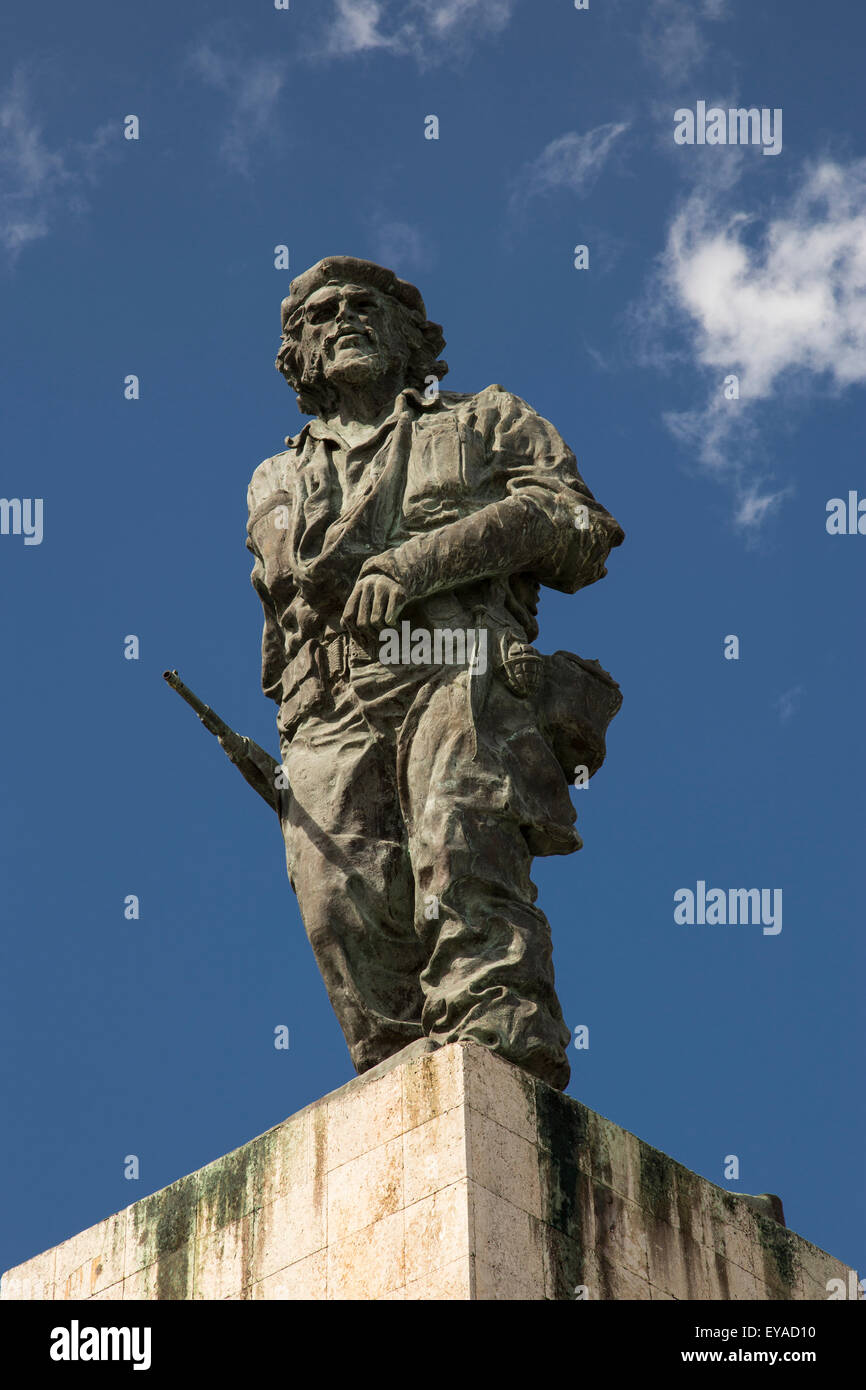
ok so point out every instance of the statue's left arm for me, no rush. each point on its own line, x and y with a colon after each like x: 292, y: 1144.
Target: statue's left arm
x: 547, y: 520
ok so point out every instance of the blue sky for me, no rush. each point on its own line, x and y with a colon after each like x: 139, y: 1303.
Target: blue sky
x: 155, y: 257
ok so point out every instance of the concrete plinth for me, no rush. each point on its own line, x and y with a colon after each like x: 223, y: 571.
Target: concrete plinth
x: 451, y: 1175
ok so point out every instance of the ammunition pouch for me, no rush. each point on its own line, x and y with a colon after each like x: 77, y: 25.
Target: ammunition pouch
x: 575, y: 701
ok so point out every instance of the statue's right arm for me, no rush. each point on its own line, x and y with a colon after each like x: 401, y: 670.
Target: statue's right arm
x: 260, y: 499
x: 273, y: 638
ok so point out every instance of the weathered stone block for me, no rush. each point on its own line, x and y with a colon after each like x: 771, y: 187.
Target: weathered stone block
x: 449, y: 1175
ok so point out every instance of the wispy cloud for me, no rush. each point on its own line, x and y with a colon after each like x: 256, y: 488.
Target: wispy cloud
x: 674, y: 38
x: 788, y: 703
x: 770, y: 302
x: 400, y: 245
x: 252, y: 86
x: 572, y: 161
x: 428, y: 30
x: 40, y: 185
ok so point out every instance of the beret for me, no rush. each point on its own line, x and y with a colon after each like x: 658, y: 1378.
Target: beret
x: 348, y: 270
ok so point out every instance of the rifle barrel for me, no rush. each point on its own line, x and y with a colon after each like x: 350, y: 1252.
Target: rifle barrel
x: 256, y: 766
x: 208, y: 717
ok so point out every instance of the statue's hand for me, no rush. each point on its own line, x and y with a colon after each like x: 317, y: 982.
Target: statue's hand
x: 374, y: 603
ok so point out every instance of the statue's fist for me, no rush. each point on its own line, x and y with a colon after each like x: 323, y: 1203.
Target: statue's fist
x: 374, y: 603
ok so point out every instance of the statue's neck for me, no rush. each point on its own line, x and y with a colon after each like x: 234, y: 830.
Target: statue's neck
x: 364, y: 405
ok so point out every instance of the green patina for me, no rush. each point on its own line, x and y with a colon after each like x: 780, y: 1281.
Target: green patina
x: 174, y: 1276
x: 562, y: 1134
x: 779, y: 1249
x: 599, y: 1151
x: 173, y: 1216
x: 168, y: 1218
x: 223, y: 1186
x: 688, y: 1198
x: 657, y: 1181
x: 605, y: 1209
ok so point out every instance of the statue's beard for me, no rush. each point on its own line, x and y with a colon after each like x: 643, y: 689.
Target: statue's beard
x: 369, y: 369
x: 357, y: 370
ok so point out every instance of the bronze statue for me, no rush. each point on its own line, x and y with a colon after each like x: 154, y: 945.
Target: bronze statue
x: 426, y: 748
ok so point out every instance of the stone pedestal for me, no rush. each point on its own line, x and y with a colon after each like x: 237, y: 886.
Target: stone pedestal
x: 450, y: 1175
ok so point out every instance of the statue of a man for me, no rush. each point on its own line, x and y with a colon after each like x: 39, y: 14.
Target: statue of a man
x: 400, y: 542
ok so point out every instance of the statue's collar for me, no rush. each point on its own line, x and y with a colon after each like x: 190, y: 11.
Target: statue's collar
x: 403, y: 403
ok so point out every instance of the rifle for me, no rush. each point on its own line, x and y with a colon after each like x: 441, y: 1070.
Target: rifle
x: 253, y: 763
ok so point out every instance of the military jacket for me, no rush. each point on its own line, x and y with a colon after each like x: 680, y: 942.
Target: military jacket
x: 468, y: 501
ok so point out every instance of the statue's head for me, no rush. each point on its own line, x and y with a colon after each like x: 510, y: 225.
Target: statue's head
x: 350, y: 325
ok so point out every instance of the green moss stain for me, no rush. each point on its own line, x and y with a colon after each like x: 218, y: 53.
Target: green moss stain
x: 174, y: 1275
x: 224, y: 1187
x: 657, y: 1182
x: 173, y: 1233
x: 688, y: 1199
x: 605, y: 1207
x: 165, y: 1224
x: 565, y: 1264
x: 600, y: 1164
x: 562, y: 1134
x: 779, y: 1250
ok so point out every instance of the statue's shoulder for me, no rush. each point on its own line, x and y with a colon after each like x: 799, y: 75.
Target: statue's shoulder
x: 268, y: 478
x: 494, y: 397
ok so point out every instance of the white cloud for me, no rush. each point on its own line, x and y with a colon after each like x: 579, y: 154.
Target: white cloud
x: 798, y: 300
x: 253, y: 88
x: 571, y: 161
x: 355, y: 27
x: 775, y: 303
x: 429, y: 30
x: 39, y: 185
